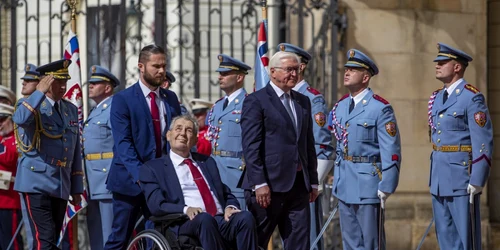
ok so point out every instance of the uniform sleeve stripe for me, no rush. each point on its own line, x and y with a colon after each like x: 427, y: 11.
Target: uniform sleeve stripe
x: 31, y: 109
x: 483, y: 156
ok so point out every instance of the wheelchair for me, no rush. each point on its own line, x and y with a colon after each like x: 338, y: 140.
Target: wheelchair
x: 161, y: 238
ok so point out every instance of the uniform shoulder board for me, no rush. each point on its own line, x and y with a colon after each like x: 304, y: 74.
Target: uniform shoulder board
x: 313, y: 91
x: 380, y: 99
x: 437, y: 90
x: 471, y: 88
x: 344, y: 97
x: 219, y: 99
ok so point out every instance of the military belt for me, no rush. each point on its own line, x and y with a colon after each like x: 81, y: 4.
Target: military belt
x: 452, y: 148
x: 223, y: 153
x: 361, y: 159
x: 99, y: 156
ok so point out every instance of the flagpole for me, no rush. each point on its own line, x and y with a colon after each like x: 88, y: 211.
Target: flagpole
x: 72, y: 5
x: 263, y: 4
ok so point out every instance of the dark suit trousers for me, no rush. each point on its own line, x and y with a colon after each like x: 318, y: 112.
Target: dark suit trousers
x: 214, y: 233
x: 45, y: 216
x: 289, y: 211
x: 126, y: 210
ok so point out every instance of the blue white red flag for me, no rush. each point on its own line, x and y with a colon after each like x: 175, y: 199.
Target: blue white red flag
x: 74, y: 95
x: 261, y: 58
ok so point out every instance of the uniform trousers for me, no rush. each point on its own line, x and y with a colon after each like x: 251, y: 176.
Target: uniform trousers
x: 45, y: 219
x: 9, y: 221
x: 360, y: 227
x: 99, y: 222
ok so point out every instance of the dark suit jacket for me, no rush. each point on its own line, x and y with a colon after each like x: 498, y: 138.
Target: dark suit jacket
x: 133, y: 133
x: 162, y: 189
x: 271, y: 148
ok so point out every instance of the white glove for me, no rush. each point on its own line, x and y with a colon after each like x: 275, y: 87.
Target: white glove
x: 324, y: 167
x: 383, y: 197
x: 473, y: 190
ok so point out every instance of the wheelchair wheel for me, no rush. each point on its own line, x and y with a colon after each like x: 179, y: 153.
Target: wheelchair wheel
x: 149, y: 239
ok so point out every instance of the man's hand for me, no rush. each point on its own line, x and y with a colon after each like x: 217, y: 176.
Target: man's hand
x: 45, y: 84
x: 313, y: 195
x: 229, y: 211
x: 263, y: 196
x: 383, y: 197
x: 193, y: 211
x: 75, y: 199
x: 473, y: 190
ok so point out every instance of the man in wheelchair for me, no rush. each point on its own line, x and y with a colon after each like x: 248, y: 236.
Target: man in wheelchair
x: 189, y: 183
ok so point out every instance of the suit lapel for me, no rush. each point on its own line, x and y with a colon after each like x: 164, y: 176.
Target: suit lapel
x: 143, y: 105
x: 275, y: 100
x: 237, y: 102
x: 299, y: 111
x: 173, y: 179
x: 50, y: 111
x: 168, y: 112
x: 360, y: 107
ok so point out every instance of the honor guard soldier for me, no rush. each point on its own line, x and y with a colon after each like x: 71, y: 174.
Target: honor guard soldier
x: 10, y: 206
x: 169, y: 79
x: 322, y: 136
x: 50, y: 168
x: 200, y: 108
x: 462, y: 141
x: 223, y: 122
x: 30, y: 79
x: 7, y: 96
x: 366, y: 169
x: 98, y: 152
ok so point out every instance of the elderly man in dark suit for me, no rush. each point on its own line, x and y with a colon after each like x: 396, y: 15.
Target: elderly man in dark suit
x: 189, y: 183
x: 280, y: 178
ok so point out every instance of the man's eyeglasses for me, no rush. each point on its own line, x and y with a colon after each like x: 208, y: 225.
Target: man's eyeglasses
x: 289, y: 69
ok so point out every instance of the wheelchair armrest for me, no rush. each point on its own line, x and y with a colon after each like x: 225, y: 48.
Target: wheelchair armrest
x: 169, y: 218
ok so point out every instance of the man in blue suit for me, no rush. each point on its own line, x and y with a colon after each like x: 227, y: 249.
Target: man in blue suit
x: 98, y: 153
x: 322, y: 136
x: 368, y: 158
x: 223, y: 120
x: 280, y: 177
x: 138, y: 116
x: 189, y: 183
x: 50, y: 168
x: 462, y: 140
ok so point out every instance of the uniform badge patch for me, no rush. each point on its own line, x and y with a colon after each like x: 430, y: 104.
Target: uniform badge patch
x: 320, y: 118
x: 480, y: 118
x: 390, y: 127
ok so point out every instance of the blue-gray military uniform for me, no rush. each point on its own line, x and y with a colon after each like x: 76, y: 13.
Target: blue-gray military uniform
x: 322, y: 138
x: 30, y: 73
x: 50, y: 168
x: 462, y: 139
x: 171, y: 79
x: 224, y: 132
x: 368, y: 160
x: 98, y: 152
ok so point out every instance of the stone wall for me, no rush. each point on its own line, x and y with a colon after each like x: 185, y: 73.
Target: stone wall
x: 401, y: 36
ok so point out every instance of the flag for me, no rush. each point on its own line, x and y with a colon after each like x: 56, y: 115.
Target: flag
x: 261, y: 58
x: 74, y: 95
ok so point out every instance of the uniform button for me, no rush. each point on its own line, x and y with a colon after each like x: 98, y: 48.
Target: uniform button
x: 50, y: 128
x: 218, y: 137
x: 441, y: 116
x: 480, y: 150
x: 439, y: 131
x: 104, y: 170
x: 454, y: 113
x: 86, y: 125
x: 438, y: 140
x: 98, y: 122
x: 82, y: 139
x: 65, y: 158
x: 240, y: 167
x: 465, y: 164
x: 220, y: 122
x: 216, y: 144
x: 66, y: 149
x: 365, y: 124
x: 237, y: 120
x: 220, y: 129
x: 439, y: 123
x: 32, y: 168
x: 347, y: 125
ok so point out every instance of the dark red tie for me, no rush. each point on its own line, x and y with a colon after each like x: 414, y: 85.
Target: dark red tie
x: 206, y: 195
x: 155, y: 114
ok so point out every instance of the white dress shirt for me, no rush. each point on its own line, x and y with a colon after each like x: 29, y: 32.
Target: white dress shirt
x: 190, y: 191
x: 453, y: 86
x: 159, y: 103
x: 360, y: 96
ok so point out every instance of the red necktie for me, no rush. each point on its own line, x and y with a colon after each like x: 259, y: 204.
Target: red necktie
x: 155, y: 114
x: 206, y: 195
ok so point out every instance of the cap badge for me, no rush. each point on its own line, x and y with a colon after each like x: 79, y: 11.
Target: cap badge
x: 351, y: 53
x: 282, y: 47
x: 93, y: 69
